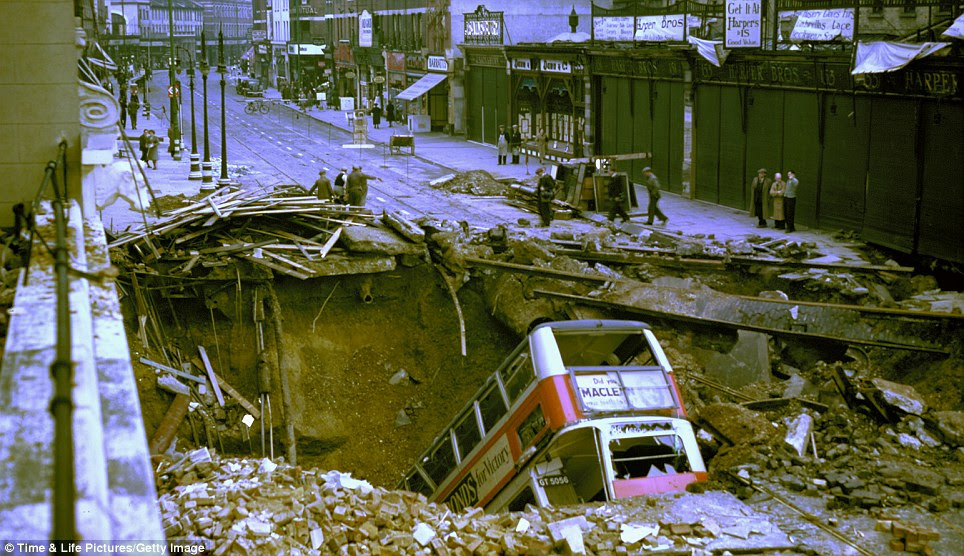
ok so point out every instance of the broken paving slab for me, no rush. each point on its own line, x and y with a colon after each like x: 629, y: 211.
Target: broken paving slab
x: 340, y: 265
x: 378, y: 240
x: 900, y: 398
x: 736, y: 424
x: 747, y: 363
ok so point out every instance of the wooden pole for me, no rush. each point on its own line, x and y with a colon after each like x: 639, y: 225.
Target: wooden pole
x: 283, y: 370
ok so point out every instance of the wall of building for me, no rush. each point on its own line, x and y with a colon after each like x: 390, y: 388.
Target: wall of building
x: 38, y: 85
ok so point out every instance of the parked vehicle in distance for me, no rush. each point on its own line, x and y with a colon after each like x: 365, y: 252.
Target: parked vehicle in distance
x: 581, y: 411
x: 249, y: 87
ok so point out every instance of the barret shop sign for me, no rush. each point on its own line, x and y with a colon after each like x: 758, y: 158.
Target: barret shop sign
x: 482, y: 27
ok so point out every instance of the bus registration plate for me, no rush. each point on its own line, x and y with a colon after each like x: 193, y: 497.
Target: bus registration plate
x: 553, y: 480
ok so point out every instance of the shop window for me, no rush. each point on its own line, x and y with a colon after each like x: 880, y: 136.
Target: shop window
x: 559, y: 108
x: 529, y: 107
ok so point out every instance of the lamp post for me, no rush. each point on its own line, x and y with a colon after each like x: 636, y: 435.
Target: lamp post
x: 195, y: 157
x: 172, y: 91
x: 207, y: 178
x: 223, y: 180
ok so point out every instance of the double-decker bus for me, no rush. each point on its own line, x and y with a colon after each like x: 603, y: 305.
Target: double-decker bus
x: 581, y: 411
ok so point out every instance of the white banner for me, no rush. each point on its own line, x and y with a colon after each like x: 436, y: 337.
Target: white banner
x: 743, y: 25
x: 661, y: 28
x: 613, y: 28
x: 365, y: 29
x: 822, y: 25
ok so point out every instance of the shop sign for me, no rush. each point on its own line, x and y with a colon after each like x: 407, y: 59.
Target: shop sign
x: 306, y: 50
x: 395, y: 61
x: 661, y: 28
x: 437, y: 63
x: 482, y: 26
x: 349, y: 75
x: 365, y: 29
x: 415, y: 62
x: 555, y: 66
x: 259, y: 34
x: 491, y: 60
x: 524, y: 64
x: 613, y: 28
x: 262, y: 49
x: 822, y: 25
x: 343, y: 55
x: 651, y: 67
x: 378, y: 79
x: 743, y: 27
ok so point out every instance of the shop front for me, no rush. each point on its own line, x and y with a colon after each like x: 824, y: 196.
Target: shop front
x: 426, y: 97
x: 345, y: 76
x: 486, y: 92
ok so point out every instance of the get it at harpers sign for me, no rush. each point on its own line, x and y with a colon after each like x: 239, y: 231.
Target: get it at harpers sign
x: 482, y: 27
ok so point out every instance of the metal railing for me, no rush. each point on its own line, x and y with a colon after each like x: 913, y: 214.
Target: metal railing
x: 61, y: 405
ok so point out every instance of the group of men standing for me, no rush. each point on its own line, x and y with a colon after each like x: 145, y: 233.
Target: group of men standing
x: 350, y: 187
x: 509, y: 142
x: 783, y: 194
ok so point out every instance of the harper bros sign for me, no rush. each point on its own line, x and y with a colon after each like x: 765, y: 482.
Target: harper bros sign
x: 483, y: 26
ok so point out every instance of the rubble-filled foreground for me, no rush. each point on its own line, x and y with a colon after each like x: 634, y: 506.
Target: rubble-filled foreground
x: 236, y: 506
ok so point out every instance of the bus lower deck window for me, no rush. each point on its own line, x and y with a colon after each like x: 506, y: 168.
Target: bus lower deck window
x: 649, y: 456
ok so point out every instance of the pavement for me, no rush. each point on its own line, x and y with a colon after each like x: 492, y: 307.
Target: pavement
x: 456, y: 154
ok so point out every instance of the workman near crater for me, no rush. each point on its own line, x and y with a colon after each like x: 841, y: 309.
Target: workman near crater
x: 357, y: 186
x: 322, y: 186
x: 545, y: 192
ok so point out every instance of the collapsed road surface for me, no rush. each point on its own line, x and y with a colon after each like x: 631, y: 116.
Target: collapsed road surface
x: 352, y: 353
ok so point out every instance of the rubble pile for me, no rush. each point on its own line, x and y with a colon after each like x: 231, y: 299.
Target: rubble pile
x: 283, y: 232
x: 473, y: 182
x: 237, y: 506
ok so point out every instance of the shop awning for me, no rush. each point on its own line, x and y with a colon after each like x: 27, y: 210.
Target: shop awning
x: 248, y: 55
x: 421, y: 86
x: 883, y: 56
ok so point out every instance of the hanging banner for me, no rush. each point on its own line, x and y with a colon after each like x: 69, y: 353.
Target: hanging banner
x: 365, y: 29
x: 613, y: 28
x: 823, y: 25
x: 660, y: 28
x: 743, y: 24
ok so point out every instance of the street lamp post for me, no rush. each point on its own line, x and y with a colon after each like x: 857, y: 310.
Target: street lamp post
x: 172, y: 90
x: 207, y: 177
x: 195, y: 157
x: 222, y: 69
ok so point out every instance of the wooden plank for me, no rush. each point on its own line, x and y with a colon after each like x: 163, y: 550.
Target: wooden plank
x: 287, y: 261
x: 248, y: 406
x: 330, y: 243
x: 273, y: 266
x: 214, y: 207
x: 211, y: 375
x: 195, y: 257
x: 172, y: 370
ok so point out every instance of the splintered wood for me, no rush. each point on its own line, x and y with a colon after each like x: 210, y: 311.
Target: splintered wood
x: 281, y: 231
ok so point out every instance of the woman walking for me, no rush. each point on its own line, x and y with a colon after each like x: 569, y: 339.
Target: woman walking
x: 152, y: 142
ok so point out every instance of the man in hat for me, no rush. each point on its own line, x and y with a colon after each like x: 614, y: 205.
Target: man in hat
x: 357, y: 186
x: 760, y: 188
x: 545, y: 192
x: 652, y: 187
x: 322, y: 186
x: 340, y: 181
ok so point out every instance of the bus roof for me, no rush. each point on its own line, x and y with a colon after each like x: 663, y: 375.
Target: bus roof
x: 592, y: 324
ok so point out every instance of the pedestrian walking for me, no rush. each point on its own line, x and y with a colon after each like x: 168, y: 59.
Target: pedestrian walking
x: 616, y: 194
x: 122, y: 101
x: 390, y: 113
x: 515, y: 143
x: 133, y: 105
x: 503, y: 145
x: 790, y: 201
x: 376, y: 115
x: 760, y: 188
x: 357, y: 186
x: 545, y: 193
x: 777, y: 189
x: 339, y: 188
x: 322, y: 187
x: 142, y: 145
x: 652, y: 187
x: 542, y: 143
x: 152, y: 142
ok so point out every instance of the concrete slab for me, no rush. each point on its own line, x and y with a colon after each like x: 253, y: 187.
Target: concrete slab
x: 378, y: 240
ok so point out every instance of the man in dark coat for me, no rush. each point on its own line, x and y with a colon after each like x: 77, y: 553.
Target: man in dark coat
x: 545, y: 192
x: 390, y: 113
x: 133, y: 106
x: 322, y: 186
x: 376, y: 116
x: 122, y: 100
x: 616, y: 191
x: 142, y: 144
x: 515, y: 143
x: 341, y: 180
x: 652, y: 187
x: 760, y: 188
x: 357, y: 186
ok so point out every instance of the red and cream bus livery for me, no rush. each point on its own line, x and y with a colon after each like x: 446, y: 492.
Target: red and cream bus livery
x: 581, y: 411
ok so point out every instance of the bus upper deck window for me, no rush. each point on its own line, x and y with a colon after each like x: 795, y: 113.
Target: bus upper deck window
x: 467, y: 434
x: 415, y: 483
x: 492, y: 407
x: 441, y: 460
x: 517, y: 376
